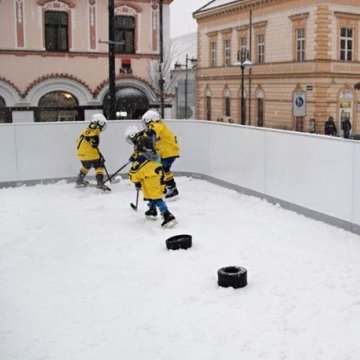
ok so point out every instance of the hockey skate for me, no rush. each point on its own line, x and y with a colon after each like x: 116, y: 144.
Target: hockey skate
x: 171, y: 193
x: 80, y: 182
x: 169, y: 219
x: 151, y: 213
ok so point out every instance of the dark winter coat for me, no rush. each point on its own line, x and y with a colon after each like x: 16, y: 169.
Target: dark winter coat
x: 330, y: 128
x: 346, y: 125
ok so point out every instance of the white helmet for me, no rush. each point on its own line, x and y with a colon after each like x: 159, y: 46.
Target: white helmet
x: 149, y: 116
x: 130, y: 133
x: 99, y: 120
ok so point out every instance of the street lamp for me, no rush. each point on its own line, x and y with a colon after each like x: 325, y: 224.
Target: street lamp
x: 178, y: 66
x: 243, y: 62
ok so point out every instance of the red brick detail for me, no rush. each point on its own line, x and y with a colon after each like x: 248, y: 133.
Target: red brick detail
x: 19, y: 23
x: 11, y: 84
x: 56, y: 76
x: 69, y: 3
x: 92, y: 25
x: 154, y: 28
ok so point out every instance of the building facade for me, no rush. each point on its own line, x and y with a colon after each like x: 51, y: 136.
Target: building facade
x: 54, y: 63
x: 305, y: 63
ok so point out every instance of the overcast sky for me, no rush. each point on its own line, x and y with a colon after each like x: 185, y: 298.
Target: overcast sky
x: 181, y: 20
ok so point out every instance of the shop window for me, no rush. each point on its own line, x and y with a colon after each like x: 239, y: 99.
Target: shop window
x: 125, y: 34
x: 58, y: 106
x: 56, y: 31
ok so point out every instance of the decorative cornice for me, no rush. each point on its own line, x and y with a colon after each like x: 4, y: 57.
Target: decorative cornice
x: 242, y: 28
x: 69, y: 3
x: 55, y: 76
x: 345, y: 15
x: 260, y: 24
x: 11, y: 84
x: 226, y: 31
x: 125, y: 5
x: 298, y: 17
x: 212, y: 33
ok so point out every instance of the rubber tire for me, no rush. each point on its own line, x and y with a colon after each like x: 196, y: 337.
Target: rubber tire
x: 179, y: 242
x: 232, y: 276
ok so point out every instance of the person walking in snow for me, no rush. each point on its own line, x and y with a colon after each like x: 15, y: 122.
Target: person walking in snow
x: 89, y: 154
x: 147, y: 175
x: 166, y: 146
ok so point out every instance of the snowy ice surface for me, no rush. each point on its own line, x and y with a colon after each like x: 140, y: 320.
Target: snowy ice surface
x: 85, y: 277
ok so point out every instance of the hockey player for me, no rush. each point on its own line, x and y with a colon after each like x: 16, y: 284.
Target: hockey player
x: 147, y: 175
x: 89, y: 154
x: 166, y: 146
x: 141, y: 142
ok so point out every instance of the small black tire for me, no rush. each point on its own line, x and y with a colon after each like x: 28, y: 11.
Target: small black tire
x: 179, y: 242
x: 232, y: 276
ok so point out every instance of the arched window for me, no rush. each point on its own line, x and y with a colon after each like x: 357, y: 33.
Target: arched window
x: 125, y: 34
x: 58, y: 106
x: 5, y: 113
x: 56, y: 31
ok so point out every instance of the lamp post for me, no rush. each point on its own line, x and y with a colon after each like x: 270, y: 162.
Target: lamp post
x: 177, y: 66
x: 243, y: 62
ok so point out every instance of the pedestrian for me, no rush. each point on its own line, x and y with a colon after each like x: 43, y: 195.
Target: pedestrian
x: 147, y: 175
x: 166, y: 145
x: 346, y: 126
x: 330, y: 127
x: 89, y: 154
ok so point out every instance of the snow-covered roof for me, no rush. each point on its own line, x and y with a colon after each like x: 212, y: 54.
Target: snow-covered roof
x: 216, y: 4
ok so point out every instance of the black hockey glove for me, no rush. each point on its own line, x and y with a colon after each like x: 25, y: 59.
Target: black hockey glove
x: 137, y: 186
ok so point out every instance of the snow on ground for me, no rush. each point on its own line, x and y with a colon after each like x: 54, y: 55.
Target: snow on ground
x: 85, y: 277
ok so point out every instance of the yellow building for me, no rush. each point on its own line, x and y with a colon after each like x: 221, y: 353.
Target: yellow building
x: 305, y: 63
x: 54, y: 58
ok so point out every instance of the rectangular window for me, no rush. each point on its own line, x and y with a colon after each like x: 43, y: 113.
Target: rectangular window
x: 346, y: 44
x: 300, y: 44
x: 125, y: 34
x: 56, y: 31
x: 227, y: 53
x: 213, y: 54
x: 260, y: 42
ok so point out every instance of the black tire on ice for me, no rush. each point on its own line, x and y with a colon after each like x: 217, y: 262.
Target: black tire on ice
x: 232, y: 276
x: 179, y: 242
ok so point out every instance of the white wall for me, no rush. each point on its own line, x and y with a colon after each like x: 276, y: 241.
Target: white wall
x: 314, y: 172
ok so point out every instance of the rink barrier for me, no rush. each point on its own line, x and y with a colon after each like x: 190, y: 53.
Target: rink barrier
x: 314, y: 175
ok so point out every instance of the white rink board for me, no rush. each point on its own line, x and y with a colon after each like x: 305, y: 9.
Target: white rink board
x: 315, y: 172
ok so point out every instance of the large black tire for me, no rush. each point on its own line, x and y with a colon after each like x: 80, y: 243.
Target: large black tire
x: 179, y: 242
x: 232, y: 276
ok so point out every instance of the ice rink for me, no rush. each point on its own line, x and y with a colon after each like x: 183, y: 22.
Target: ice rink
x: 85, y: 277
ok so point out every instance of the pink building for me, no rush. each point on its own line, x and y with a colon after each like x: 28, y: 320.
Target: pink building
x: 54, y: 58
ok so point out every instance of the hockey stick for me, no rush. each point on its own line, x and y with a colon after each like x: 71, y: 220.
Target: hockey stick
x: 115, y: 173
x: 137, y: 200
